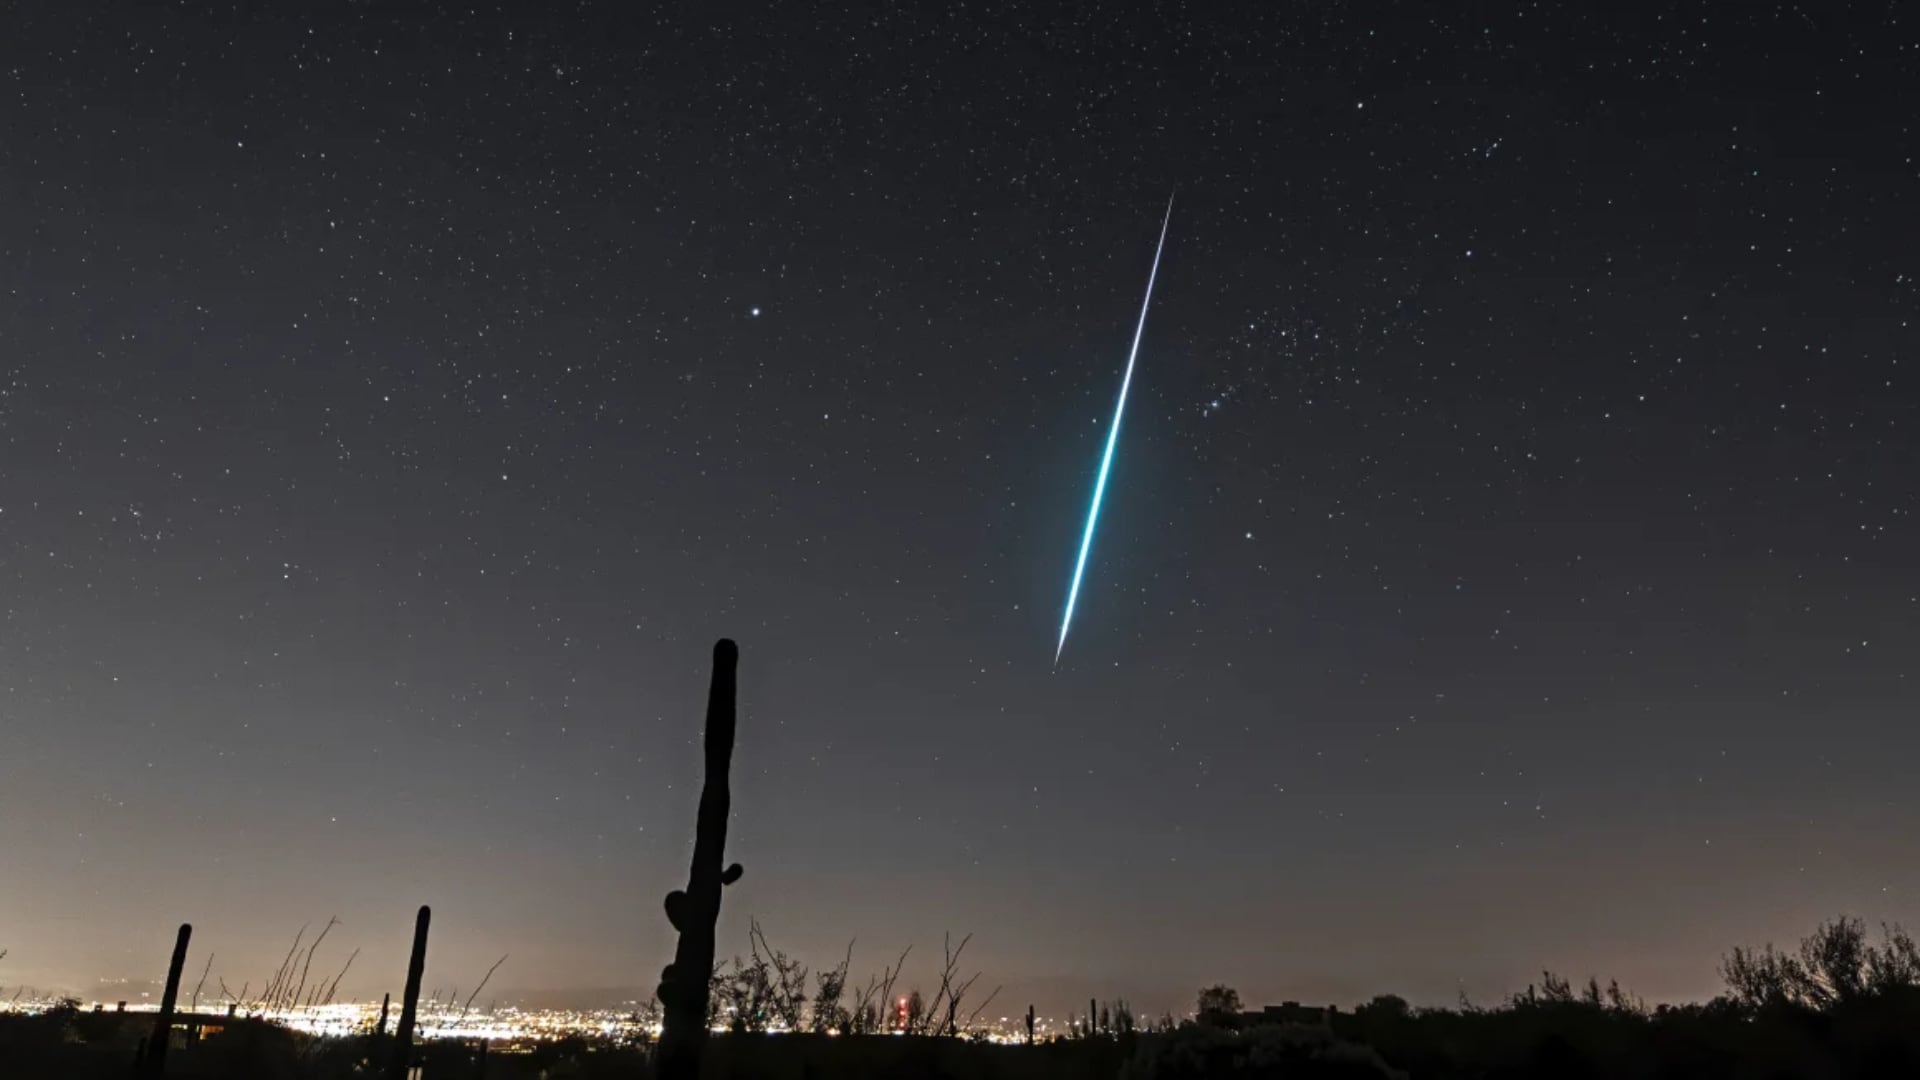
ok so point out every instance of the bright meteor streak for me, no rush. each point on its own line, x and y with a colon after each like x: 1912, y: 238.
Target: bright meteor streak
x: 1113, y: 437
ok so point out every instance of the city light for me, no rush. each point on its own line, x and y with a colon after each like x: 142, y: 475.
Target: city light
x: 503, y: 1026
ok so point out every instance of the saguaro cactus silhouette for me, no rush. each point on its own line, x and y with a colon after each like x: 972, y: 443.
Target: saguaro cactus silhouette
x: 684, y: 984
x: 410, y: 1002
x: 156, y: 1057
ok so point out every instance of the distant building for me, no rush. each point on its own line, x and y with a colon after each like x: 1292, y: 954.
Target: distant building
x: 190, y: 1027
x: 1291, y: 1012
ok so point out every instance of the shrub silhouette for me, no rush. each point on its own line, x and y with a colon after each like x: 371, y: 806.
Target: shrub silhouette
x: 1834, y: 966
x: 1262, y: 1052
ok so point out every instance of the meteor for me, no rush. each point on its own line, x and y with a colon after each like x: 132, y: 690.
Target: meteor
x: 1113, y: 437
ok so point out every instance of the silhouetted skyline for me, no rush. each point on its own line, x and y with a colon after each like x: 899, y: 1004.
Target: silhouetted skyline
x: 1508, y: 564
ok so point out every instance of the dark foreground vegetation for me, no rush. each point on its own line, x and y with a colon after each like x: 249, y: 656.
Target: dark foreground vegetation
x: 1840, y: 1005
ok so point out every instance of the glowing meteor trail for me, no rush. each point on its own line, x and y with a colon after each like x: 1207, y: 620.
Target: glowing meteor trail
x: 1113, y: 437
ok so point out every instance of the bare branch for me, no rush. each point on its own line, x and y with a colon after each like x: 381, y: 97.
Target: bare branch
x: 280, y: 974
x: 308, y: 965
x: 789, y: 989
x: 482, y: 986
x: 889, y: 976
x: 862, y: 1017
x: 947, y: 993
x: 335, y: 984
x: 195, y: 1007
x: 975, y: 1014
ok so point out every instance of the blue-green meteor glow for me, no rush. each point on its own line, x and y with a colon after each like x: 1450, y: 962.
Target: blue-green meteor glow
x: 1113, y: 437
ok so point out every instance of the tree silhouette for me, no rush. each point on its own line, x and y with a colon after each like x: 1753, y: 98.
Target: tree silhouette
x: 1385, y: 1007
x: 1218, y: 1006
x: 1834, y: 965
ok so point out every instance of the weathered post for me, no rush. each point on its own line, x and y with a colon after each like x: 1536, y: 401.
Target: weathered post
x: 693, y: 912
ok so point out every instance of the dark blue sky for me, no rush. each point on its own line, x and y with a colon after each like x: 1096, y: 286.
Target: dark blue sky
x: 1509, y: 561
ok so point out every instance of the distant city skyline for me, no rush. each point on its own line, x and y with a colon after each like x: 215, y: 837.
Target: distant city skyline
x: 1062, y: 994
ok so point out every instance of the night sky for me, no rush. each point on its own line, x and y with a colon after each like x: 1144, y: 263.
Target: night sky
x: 1509, y: 561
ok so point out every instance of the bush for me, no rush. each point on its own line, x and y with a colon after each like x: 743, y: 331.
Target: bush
x: 1266, y: 1052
